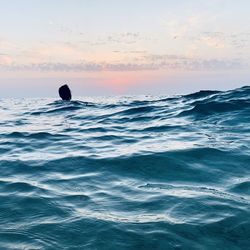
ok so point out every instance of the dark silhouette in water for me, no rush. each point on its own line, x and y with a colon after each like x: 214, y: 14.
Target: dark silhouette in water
x: 65, y: 93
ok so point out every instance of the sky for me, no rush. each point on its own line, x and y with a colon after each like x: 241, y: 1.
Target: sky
x: 115, y: 47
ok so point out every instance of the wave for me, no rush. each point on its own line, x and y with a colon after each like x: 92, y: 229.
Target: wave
x: 202, y: 94
x: 218, y: 102
x: 202, y: 103
x: 151, y: 172
x: 38, y: 135
x: 215, y: 107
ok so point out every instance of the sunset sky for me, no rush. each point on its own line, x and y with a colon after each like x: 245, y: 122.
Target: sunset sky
x: 109, y: 47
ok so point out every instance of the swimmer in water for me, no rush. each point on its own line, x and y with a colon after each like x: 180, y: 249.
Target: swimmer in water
x: 65, y: 93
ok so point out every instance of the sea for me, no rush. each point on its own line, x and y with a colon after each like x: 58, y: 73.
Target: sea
x: 126, y: 172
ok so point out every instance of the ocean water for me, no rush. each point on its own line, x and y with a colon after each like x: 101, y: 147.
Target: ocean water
x: 145, y: 172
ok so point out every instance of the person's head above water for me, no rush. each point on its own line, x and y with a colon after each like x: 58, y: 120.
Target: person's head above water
x: 65, y: 93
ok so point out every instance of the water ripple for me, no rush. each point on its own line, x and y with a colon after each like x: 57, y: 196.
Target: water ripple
x: 151, y: 172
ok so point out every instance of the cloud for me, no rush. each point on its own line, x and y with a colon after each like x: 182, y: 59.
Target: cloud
x: 181, y: 62
x: 187, y: 25
x: 130, y: 51
x: 236, y: 40
x: 116, y: 38
x: 72, y: 57
x: 5, y: 60
x: 76, y: 67
x: 148, y: 63
x: 207, y: 29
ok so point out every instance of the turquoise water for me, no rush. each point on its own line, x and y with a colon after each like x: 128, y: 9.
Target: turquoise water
x: 147, y: 172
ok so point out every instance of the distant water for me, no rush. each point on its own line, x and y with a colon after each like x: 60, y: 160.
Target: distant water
x: 148, y: 172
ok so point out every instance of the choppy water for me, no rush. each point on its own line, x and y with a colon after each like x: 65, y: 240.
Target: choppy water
x: 126, y: 173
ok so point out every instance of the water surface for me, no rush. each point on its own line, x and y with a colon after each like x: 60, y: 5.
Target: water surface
x: 147, y: 172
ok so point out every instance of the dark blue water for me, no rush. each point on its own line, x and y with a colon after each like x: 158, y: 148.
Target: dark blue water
x: 126, y: 173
